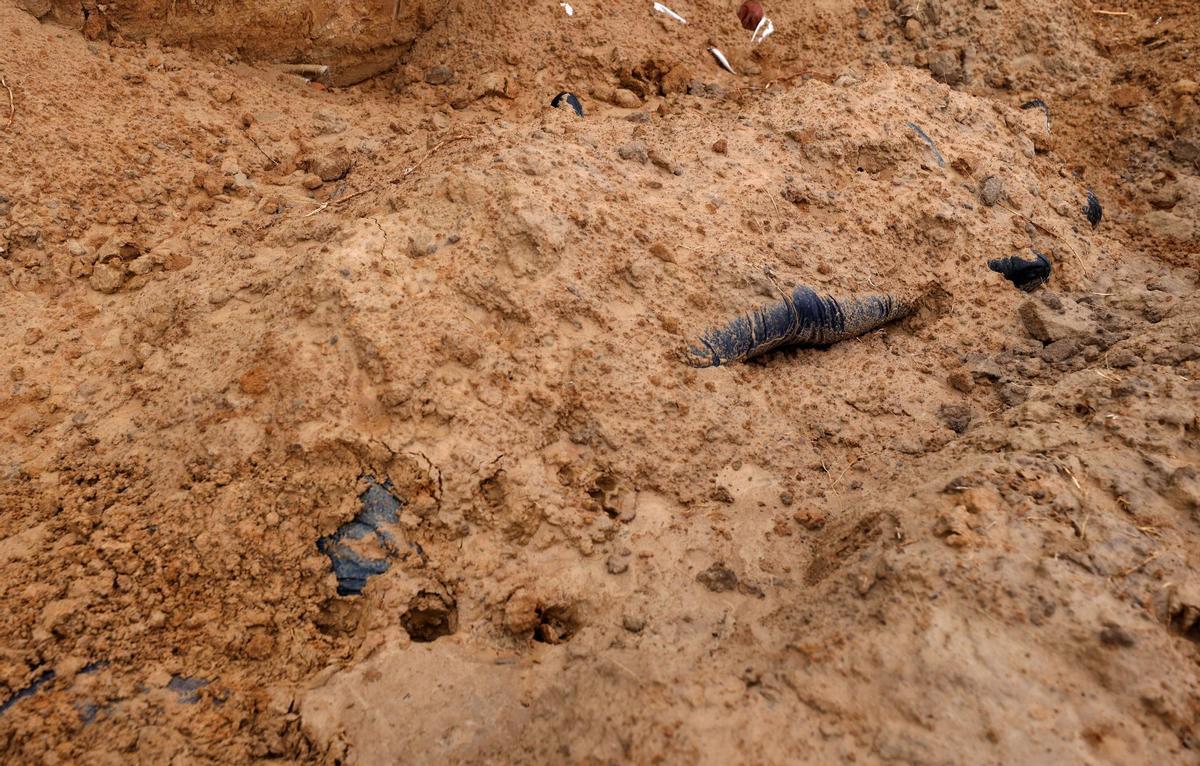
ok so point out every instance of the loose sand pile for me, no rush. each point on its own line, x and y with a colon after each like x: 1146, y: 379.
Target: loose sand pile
x: 239, y: 306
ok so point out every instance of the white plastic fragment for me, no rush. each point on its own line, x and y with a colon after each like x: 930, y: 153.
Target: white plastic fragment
x: 720, y: 57
x: 664, y: 9
x: 567, y: 7
x: 762, y: 31
x: 307, y: 71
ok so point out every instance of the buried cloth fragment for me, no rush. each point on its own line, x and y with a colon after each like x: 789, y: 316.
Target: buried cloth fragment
x: 1025, y: 275
x: 802, y: 317
x: 941, y: 161
x: 1092, y: 209
x: 353, y: 564
x: 28, y: 691
x: 1037, y: 103
x: 570, y: 99
x: 187, y: 690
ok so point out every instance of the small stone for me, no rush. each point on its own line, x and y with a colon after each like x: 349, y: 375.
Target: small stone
x: 961, y: 380
x: 946, y: 66
x: 311, y: 181
x: 635, y: 151
x: 143, y: 265
x: 957, y: 417
x: 219, y: 296
x: 676, y: 81
x: 1115, y: 636
x: 332, y: 166
x: 992, y: 191
x: 439, y: 75
x: 718, y: 578
x: 107, y: 278
x: 634, y: 623
x: 1123, y: 358
x: 912, y: 29
x: 810, y: 518
x: 720, y: 146
x: 617, y: 564
x: 1013, y: 394
x: 786, y: 499
x: 1043, y: 325
x: 1060, y: 350
x: 33, y: 335
x: 626, y: 99
x: 722, y: 494
x: 660, y: 160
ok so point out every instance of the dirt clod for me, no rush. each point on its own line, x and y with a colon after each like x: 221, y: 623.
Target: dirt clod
x: 718, y: 578
x: 439, y: 75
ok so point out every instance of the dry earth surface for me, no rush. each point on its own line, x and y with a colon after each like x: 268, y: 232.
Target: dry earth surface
x: 240, y: 307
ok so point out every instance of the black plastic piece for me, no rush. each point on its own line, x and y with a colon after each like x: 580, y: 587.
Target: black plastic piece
x: 28, y: 691
x: 1037, y: 103
x: 1092, y: 209
x: 187, y: 689
x: 941, y: 161
x: 803, y: 317
x: 570, y: 99
x: 1026, y: 275
x: 379, y: 507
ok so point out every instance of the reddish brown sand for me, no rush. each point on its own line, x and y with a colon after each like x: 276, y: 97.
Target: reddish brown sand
x: 229, y: 296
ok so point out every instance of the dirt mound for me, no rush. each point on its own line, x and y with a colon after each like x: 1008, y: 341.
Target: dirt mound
x: 322, y: 31
x: 329, y: 409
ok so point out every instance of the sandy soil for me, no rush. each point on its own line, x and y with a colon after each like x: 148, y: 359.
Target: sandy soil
x: 237, y: 303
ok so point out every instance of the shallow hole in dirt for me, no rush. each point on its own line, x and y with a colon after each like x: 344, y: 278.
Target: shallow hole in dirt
x: 603, y: 493
x: 1186, y: 622
x: 430, y: 616
x: 556, y: 624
